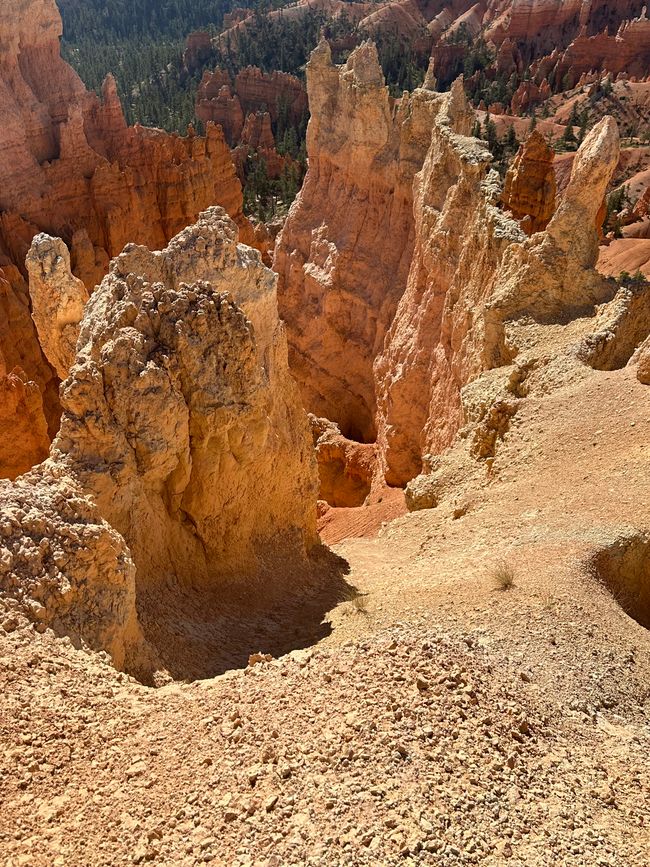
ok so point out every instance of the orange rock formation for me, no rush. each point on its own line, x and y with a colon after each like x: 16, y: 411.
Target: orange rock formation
x: 529, y: 189
x: 184, y: 459
x: 246, y: 107
x: 386, y: 355
x: 345, y: 250
x: 70, y: 166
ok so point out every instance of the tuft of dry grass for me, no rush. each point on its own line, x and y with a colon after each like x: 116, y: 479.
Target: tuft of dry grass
x: 357, y: 600
x: 360, y: 604
x: 502, y: 576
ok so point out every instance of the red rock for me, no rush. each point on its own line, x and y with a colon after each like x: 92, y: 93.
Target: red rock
x: 346, y: 468
x: 628, y: 51
x: 528, y: 95
x: 641, y: 209
x: 198, y: 46
x: 24, y: 439
x: 257, y: 138
x: 529, y: 189
x: 228, y: 102
x: 223, y: 108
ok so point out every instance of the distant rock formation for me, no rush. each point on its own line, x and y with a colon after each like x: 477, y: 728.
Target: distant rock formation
x: 247, y: 106
x: 530, y: 189
x: 547, y: 24
x: 183, y: 455
x: 70, y: 166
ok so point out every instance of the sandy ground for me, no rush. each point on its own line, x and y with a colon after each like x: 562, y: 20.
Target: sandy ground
x: 438, y: 719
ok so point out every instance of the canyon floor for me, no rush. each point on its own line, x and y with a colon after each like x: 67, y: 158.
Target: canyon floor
x: 435, y: 718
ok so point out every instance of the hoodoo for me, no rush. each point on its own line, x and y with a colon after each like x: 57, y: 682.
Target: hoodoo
x: 434, y: 379
x: 345, y: 250
x: 178, y: 412
x: 384, y: 344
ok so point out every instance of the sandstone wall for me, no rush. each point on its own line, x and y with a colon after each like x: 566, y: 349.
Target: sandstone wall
x: 435, y: 343
x: 344, y: 252
x: 184, y: 458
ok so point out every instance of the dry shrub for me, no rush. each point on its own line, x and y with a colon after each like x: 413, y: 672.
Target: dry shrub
x: 502, y: 576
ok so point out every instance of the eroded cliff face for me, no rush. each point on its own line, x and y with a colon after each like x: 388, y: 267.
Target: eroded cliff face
x: 248, y: 108
x: 71, y: 167
x: 395, y: 363
x: 184, y: 457
x: 344, y: 252
x: 548, y: 24
x: 454, y: 318
x: 435, y: 342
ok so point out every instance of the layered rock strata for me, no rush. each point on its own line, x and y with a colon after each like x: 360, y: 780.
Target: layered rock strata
x: 183, y: 458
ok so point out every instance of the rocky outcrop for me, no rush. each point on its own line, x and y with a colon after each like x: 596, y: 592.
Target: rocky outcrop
x: 24, y: 439
x: 387, y: 360
x: 345, y: 250
x: 346, y: 468
x: 402, y: 18
x: 70, y: 166
x: 547, y: 24
x: 58, y: 299
x: 436, y: 342
x: 183, y: 459
x: 464, y: 291
x: 216, y: 103
x: 19, y: 348
x: 198, y: 47
x: 248, y: 107
x: 257, y: 140
x: 68, y: 569
x: 228, y: 102
x: 69, y: 162
x: 627, y: 51
x: 528, y: 95
x: 529, y: 189
x: 181, y: 388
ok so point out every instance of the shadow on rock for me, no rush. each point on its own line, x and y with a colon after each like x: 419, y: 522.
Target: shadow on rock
x: 201, y: 632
